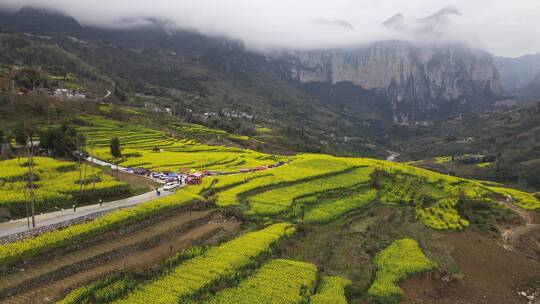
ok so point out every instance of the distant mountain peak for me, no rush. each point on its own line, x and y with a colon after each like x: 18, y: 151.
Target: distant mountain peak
x: 394, y: 21
x: 42, y: 10
x: 336, y: 23
x: 445, y: 12
x: 440, y: 18
x: 40, y: 20
x: 431, y: 24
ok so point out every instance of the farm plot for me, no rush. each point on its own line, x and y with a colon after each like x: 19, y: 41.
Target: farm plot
x: 307, y: 178
x: 146, y: 235
x: 102, y: 291
x: 214, y: 265
x: 331, y: 291
x: 279, y: 281
x: 330, y: 210
x: 303, y: 167
x: 401, y: 259
x: 157, y: 150
x: 57, y: 184
x: 213, y: 161
x: 521, y: 199
x: 280, y: 199
x: 435, y: 201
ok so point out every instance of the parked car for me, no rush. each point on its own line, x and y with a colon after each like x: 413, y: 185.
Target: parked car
x: 172, y: 180
x: 171, y: 186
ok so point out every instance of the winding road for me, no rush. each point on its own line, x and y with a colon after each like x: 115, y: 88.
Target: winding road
x: 106, y: 95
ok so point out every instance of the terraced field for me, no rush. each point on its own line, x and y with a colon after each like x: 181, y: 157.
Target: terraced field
x: 278, y: 281
x: 129, y: 261
x: 176, y: 222
x: 308, y: 192
x: 57, y: 184
x: 139, y: 146
x: 216, y: 264
x: 277, y: 200
x: 17, y: 251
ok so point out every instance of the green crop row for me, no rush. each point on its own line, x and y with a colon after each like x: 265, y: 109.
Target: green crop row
x: 280, y: 199
x: 331, y: 210
x: 215, y: 264
x: 102, y: 291
x: 278, y: 281
x: 303, y: 168
x: 331, y: 290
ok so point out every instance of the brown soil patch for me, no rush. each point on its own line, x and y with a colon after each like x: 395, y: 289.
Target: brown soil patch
x: 491, y: 274
x: 134, y: 179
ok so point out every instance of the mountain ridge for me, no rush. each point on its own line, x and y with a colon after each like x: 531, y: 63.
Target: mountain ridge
x: 410, y: 82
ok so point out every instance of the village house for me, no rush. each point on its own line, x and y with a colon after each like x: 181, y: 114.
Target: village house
x: 68, y: 94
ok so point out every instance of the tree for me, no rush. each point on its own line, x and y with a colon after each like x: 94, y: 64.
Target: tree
x: 60, y: 141
x: 115, y: 147
x: 120, y: 93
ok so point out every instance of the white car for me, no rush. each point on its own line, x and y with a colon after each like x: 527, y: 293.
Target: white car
x: 171, y: 186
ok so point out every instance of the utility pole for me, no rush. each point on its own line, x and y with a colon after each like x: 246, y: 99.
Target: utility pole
x: 30, y: 148
x: 79, y: 146
x: 27, y: 210
x: 85, y: 176
x: 93, y: 175
x: 170, y: 256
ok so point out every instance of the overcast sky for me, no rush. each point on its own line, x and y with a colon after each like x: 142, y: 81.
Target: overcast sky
x: 504, y: 27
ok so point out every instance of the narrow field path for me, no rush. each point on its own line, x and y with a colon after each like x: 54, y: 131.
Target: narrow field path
x: 51, y: 292
x: 148, y: 233
x: 512, y: 236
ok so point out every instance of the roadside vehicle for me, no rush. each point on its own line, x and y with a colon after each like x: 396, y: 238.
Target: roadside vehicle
x: 171, y: 186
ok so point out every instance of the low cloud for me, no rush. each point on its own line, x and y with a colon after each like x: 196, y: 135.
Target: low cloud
x: 504, y: 27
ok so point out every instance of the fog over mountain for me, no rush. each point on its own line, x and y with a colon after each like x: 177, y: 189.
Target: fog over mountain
x: 506, y: 28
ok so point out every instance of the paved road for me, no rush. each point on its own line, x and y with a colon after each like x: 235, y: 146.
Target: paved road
x: 106, y: 95
x: 105, y: 164
x: 119, y: 168
x: 393, y: 156
x: 57, y: 217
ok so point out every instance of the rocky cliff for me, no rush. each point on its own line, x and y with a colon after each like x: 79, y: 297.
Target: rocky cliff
x: 416, y: 78
x: 413, y: 78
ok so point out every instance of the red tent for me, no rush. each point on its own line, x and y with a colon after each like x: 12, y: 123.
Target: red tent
x: 194, y: 179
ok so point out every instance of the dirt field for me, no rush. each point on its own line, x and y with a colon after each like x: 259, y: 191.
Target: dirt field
x: 491, y: 274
